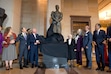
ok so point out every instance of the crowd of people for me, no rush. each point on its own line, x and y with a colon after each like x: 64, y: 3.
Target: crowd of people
x: 99, y: 39
x: 28, y: 47
x: 29, y: 40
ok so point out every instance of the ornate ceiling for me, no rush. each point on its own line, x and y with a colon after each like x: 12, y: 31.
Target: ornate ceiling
x: 104, y: 9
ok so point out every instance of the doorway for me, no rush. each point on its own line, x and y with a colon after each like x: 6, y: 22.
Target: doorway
x: 78, y: 25
x: 79, y: 22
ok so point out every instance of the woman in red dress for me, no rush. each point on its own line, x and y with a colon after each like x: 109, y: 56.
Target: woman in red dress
x: 9, y: 51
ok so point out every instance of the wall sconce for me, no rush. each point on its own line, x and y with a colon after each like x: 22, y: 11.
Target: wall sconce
x: 107, y: 17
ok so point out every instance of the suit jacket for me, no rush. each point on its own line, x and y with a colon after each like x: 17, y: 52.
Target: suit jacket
x: 109, y: 32
x: 99, y: 38
x: 72, y: 46
x: 79, y: 44
x: 32, y: 39
x: 22, y: 40
x: 87, y: 40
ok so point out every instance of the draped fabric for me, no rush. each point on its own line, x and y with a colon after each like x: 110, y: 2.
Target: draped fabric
x: 55, y: 49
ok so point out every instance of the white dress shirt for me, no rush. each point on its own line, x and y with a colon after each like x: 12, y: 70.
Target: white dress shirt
x: 98, y: 32
x: 76, y: 39
x: 69, y: 41
x: 34, y: 35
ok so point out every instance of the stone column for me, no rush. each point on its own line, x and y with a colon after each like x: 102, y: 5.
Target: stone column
x: 13, y: 11
x: 51, y: 7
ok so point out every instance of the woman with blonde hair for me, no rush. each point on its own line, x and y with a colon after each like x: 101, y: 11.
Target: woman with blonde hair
x: 9, y: 51
x: 79, y: 45
x: 71, y: 52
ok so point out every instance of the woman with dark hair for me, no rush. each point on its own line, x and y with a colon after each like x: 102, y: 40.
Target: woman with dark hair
x: 9, y: 50
x: 1, y: 40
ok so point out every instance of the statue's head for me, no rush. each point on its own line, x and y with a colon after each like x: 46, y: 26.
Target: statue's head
x: 57, y: 7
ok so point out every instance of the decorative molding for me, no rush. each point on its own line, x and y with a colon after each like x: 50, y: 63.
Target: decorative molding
x: 103, y: 4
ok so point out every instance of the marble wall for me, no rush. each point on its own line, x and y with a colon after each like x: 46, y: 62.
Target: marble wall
x: 13, y: 11
x: 80, y: 8
x: 36, y: 13
x: 33, y: 15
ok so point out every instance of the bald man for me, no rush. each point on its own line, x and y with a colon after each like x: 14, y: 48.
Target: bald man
x: 33, y: 46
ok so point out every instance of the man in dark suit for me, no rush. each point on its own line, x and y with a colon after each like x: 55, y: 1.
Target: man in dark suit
x: 109, y: 46
x: 87, y: 45
x: 99, y: 38
x: 33, y: 46
x: 23, y: 47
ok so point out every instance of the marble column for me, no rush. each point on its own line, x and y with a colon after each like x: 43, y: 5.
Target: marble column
x: 13, y: 11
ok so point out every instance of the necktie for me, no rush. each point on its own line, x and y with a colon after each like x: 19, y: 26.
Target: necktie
x: 25, y: 36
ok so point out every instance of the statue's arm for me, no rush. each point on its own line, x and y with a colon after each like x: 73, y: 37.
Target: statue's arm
x: 52, y: 16
x: 61, y: 16
x: 2, y: 12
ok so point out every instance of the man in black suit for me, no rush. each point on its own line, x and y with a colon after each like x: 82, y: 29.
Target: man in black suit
x: 33, y: 46
x: 109, y: 46
x: 23, y: 47
x: 99, y: 41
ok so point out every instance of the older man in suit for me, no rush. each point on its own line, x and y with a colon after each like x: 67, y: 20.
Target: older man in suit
x: 23, y: 47
x: 87, y: 45
x: 99, y: 39
x: 33, y: 46
x: 109, y: 46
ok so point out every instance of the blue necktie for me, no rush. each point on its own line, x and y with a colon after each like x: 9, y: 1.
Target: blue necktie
x: 25, y: 36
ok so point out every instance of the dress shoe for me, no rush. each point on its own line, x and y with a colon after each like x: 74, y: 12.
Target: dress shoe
x: 7, y: 68
x: 36, y: 65
x: 11, y: 68
x: 109, y: 71
x: 102, y: 69
x: 79, y: 66
x: 21, y: 67
x: 89, y: 67
x: 76, y: 65
x: 25, y: 66
x: 32, y: 65
x: 98, y: 69
x: 85, y: 66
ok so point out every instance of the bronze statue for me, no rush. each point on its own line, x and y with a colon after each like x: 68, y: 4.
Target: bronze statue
x: 2, y: 16
x: 56, y: 20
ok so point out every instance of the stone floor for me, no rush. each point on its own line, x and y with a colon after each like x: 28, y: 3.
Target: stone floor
x: 29, y: 70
